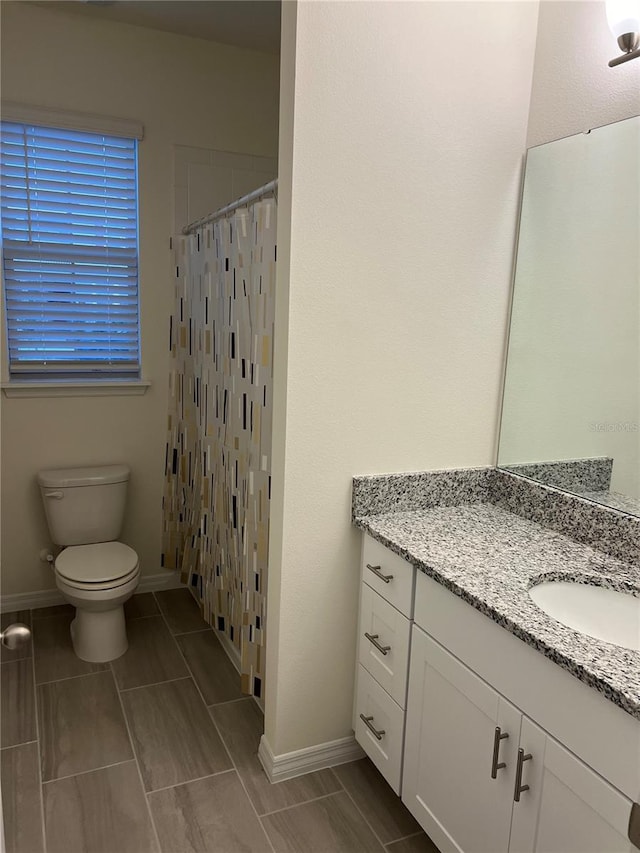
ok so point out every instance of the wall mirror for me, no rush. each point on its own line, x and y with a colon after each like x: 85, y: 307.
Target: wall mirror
x: 571, y: 407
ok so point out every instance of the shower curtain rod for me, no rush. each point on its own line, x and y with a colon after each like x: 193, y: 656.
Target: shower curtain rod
x: 267, y: 189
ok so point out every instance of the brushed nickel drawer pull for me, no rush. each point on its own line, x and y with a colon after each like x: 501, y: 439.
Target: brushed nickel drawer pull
x: 378, y: 573
x: 519, y: 786
x: 373, y: 638
x: 495, y: 765
x: 367, y: 722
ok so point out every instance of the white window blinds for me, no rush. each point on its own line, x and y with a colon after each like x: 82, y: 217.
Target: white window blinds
x: 70, y: 251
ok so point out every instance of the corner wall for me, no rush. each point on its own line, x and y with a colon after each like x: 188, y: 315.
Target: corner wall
x: 188, y: 92
x: 400, y: 166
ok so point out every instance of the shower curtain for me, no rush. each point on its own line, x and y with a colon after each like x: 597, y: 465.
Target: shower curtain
x: 218, y: 463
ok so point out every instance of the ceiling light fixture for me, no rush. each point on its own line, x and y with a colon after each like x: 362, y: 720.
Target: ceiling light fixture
x: 623, y: 17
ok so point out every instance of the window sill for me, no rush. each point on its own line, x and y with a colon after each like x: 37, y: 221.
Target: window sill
x: 76, y: 388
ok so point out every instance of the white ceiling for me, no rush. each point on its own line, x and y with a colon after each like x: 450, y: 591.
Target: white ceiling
x: 245, y: 23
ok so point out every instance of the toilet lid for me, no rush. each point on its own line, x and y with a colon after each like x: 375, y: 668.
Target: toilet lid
x: 99, y: 563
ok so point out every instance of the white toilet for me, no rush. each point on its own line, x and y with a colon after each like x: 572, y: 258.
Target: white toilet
x: 95, y: 573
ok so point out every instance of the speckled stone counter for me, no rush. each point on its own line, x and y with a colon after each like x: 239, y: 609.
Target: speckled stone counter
x: 570, y: 474
x: 615, y: 500
x: 490, y: 557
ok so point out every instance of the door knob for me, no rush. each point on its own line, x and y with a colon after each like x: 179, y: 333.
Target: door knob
x: 15, y: 635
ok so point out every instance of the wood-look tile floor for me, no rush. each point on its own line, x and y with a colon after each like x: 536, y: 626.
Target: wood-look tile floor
x: 157, y: 752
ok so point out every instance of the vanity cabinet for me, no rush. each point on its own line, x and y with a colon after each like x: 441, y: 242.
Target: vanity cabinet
x: 481, y: 777
x: 473, y: 767
x: 453, y: 721
x: 568, y: 807
x: 384, y: 630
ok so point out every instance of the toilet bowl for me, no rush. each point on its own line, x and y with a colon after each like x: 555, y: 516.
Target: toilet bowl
x: 97, y: 580
x: 93, y: 571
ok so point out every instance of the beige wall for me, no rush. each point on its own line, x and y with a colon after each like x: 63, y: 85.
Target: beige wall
x: 573, y: 87
x: 187, y: 92
x: 206, y: 180
x: 400, y: 171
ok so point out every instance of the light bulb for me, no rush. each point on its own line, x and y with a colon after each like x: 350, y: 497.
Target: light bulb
x: 623, y: 16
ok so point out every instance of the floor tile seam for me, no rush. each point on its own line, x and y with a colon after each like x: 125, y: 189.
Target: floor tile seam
x: 18, y: 745
x: 206, y: 630
x: 142, y: 616
x: 188, y: 677
x: 228, y: 702
x: 264, y: 830
x: 304, y: 803
x: 242, y: 783
x: 190, y: 781
x: 86, y: 772
x: 22, y: 742
x: 219, y: 733
x: 254, y: 809
x: 188, y: 665
x: 364, y: 817
x: 71, y: 677
x: 225, y: 745
x: 40, y: 756
x: 206, y: 708
x: 404, y: 838
x: 195, y: 680
x: 190, y: 671
x: 162, y: 613
x: 17, y: 660
x: 154, y: 828
x: 175, y: 634
x: 154, y: 684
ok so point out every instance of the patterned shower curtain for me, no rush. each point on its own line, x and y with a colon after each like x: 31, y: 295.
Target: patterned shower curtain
x: 218, y: 455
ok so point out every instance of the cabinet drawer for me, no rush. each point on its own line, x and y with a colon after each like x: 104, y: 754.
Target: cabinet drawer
x: 382, y: 624
x: 378, y: 563
x: 384, y: 716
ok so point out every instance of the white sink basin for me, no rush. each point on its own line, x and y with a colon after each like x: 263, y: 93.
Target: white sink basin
x: 605, y: 614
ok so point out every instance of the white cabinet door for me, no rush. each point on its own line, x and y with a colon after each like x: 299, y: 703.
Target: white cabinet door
x: 452, y: 716
x: 567, y: 808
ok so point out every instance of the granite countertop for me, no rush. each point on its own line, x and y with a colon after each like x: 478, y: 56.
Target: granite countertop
x: 491, y: 557
x: 616, y: 500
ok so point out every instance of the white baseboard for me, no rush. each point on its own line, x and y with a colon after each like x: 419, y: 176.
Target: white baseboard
x: 50, y: 597
x: 163, y: 580
x: 292, y: 764
x: 30, y: 600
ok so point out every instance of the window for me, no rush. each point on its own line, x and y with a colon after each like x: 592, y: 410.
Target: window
x: 69, y: 217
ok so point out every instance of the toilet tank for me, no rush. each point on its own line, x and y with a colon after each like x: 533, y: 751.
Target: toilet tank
x: 84, y: 505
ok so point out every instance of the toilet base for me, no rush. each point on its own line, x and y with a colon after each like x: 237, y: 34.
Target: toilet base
x: 98, y: 632
x: 99, y: 637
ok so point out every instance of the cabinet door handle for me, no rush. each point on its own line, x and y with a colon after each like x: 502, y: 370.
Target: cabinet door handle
x: 378, y: 573
x: 367, y: 721
x: 519, y: 786
x: 495, y: 765
x: 373, y: 638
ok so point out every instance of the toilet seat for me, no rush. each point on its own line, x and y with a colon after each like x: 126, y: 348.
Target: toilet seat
x: 103, y: 565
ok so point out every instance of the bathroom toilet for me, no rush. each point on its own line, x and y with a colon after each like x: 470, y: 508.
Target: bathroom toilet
x: 94, y: 572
